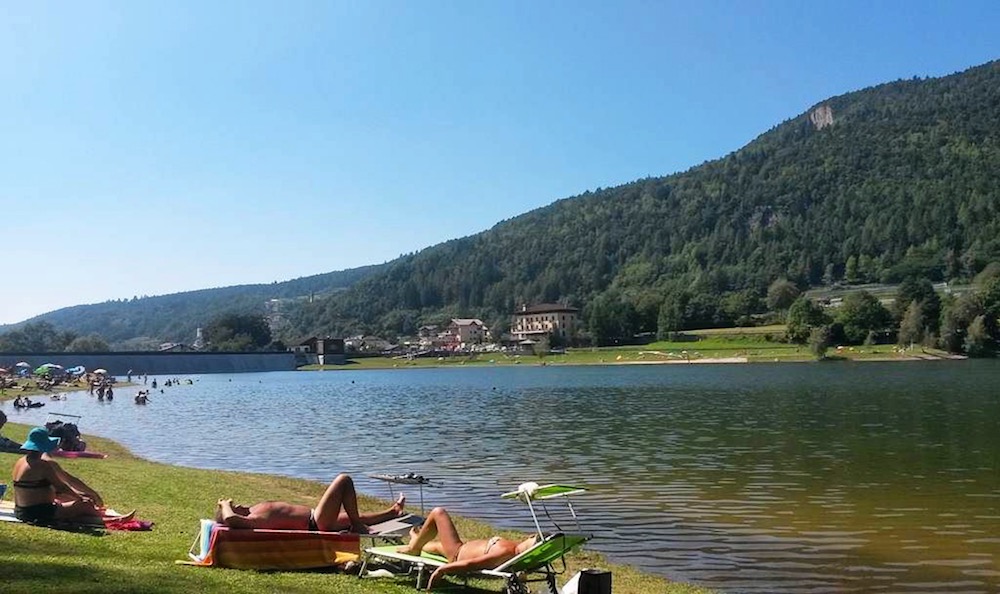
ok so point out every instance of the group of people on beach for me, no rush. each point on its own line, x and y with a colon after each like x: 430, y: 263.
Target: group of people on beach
x: 40, y: 383
x: 337, y: 510
x: 44, y: 494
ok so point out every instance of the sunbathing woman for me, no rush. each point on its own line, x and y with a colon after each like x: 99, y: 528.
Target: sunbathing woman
x: 462, y: 556
x: 337, y: 510
x: 44, y: 492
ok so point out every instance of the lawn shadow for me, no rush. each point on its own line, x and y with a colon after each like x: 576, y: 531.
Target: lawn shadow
x: 80, y: 578
x: 20, y: 576
x: 85, y: 529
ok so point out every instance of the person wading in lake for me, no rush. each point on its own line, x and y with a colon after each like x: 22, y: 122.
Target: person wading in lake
x: 337, y: 510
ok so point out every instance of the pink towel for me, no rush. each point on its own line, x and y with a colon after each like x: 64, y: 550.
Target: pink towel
x: 132, y: 525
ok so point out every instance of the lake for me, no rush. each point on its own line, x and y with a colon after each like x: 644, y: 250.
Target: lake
x: 839, y: 477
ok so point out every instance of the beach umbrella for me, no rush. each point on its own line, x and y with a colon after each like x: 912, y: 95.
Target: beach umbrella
x: 101, y: 371
x: 2, y: 370
x: 51, y: 365
x: 23, y: 364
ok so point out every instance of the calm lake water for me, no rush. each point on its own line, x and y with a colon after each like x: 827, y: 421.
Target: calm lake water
x: 868, y: 477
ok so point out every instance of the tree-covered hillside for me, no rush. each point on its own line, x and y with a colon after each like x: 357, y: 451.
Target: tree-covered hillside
x: 883, y: 184
x: 895, y: 182
x: 144, y: 322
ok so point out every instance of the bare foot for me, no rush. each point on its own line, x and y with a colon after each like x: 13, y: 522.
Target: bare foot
x: 400, y: 505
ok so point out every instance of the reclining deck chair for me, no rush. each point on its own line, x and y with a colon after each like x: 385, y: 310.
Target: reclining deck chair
x: 533, y: 565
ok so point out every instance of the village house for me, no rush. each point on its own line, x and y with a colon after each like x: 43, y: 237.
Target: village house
x: 540, y: 321
x: 367, y: 344
x: 467, y: 331
x: 322, y: 351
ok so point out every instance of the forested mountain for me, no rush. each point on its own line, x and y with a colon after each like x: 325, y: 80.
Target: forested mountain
x: 887, y: 183
x: 147, y: 321
x: 893, y: 182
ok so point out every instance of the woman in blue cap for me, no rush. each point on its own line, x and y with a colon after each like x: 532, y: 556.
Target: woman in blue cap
x: 38, y: 479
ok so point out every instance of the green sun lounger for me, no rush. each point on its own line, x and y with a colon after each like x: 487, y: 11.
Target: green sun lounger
x: 533, y: 565
x: 536, y: 561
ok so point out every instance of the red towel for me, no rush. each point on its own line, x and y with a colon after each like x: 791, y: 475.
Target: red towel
x: 132, y: 525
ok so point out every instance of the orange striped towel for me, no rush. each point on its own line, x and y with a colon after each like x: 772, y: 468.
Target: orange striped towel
x: 275, y: 549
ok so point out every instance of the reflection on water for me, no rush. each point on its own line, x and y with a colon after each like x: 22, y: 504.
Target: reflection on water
x: 748, y: 478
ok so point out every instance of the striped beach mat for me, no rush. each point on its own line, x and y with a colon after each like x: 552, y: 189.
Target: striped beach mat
x: 220, y: 546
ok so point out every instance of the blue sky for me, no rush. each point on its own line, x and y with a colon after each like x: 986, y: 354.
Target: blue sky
x: 151, y: 148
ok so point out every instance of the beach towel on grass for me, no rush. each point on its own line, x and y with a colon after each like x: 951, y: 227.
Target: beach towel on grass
x: 111, y: 523
x: 133, y: 525
x: 272, y: 549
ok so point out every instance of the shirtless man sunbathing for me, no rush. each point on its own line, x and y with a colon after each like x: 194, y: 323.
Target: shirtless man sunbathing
x: 462, y: 556
x: 337, y: 510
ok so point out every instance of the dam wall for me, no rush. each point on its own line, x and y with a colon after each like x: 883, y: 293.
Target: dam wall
x: 139, y: 363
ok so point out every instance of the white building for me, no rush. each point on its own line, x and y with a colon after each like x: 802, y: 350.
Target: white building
x: 545, y: 319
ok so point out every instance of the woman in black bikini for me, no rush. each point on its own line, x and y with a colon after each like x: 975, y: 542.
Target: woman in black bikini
x: 38, y: 479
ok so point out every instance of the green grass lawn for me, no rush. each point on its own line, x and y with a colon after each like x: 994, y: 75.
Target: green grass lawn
x: 751, y: 345
x: 38, y: 560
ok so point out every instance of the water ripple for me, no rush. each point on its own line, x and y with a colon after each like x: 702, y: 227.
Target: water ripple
x: 791, y: 478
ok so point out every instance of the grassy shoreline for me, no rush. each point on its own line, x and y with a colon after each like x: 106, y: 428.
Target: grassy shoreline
x: 24, y: 388
x: 175, y: 498
x: 711, y: 347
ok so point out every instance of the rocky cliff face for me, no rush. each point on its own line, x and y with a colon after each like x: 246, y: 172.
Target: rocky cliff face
x: 821, y: 117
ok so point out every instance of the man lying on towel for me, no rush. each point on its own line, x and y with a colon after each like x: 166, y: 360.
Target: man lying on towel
x: 438, y: 535
x: 337, y: 510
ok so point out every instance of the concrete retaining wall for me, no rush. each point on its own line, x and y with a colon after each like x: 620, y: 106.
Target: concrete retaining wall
x: 159, y: 363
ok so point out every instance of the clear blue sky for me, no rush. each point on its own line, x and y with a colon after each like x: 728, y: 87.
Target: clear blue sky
x: 149, y: 148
